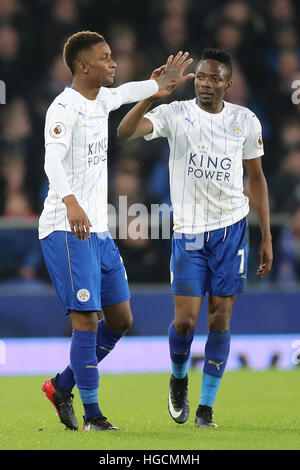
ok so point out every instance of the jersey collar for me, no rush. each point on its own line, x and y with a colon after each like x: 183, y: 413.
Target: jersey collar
x: 221, y: 113
x: 69, y: 87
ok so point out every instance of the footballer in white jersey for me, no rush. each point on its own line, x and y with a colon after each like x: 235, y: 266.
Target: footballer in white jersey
x: 83, y: 260
x: 210, y: 141
x: 206, y: 161
x: 80, y: 127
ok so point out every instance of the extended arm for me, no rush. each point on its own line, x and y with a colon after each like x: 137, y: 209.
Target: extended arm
x: 134, y: 124
x: 135, y: 91
x: 259, y: 199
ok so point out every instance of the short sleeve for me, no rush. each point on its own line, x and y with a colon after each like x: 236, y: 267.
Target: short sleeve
x: 161, y: 124
x: 60, y: 120
x: 253, y: 145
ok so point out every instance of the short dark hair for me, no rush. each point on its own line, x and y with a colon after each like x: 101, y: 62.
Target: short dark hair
x: 78, y: 43
x: 219, y: 55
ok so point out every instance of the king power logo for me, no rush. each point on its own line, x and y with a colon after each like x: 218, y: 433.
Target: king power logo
x: 2, y: 92
x: 213, y: 168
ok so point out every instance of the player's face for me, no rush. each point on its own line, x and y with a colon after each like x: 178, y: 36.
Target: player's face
x: 99, y: 66
x: 211, y: 82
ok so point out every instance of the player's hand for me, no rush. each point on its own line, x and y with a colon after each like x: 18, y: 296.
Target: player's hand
x: 170, y: 75
x: 265, y: 258
x: 78, y: 220
x: 166, y: 91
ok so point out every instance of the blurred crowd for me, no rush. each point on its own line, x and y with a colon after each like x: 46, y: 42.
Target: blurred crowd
x: 261, y: 35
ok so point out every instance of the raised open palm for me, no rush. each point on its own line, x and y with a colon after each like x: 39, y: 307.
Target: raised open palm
x: 174, y: 66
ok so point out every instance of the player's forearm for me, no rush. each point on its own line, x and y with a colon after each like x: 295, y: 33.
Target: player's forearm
x: 137, y: 91
x: 130, y: 126
x: 259, y: 199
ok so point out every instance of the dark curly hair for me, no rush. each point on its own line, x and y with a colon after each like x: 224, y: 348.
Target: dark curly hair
x: 77, y: 43
x: 219, y: 55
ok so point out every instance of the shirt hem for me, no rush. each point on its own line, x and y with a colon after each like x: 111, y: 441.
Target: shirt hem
x: 46, y: 233
x: 226, y: 222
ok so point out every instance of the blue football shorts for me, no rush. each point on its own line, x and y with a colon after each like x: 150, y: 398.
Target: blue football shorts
x: 87, y: 275
x: 213, y: 262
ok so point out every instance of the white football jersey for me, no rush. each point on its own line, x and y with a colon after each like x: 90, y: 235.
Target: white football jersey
x: 81, y: 125
x: 206, y: 162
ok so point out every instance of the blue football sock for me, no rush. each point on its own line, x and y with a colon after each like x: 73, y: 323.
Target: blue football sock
x: 84, y: 364
x: 106, y: 340
x: 84, y: 361
x: 179, y: 370
x: 216, y: 355
x: 65, y: 379
x: 89, y: 399
x: 179, y: 351
x: 209, y: 389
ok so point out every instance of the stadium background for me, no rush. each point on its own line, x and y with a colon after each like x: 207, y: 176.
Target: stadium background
x: 263, y: 38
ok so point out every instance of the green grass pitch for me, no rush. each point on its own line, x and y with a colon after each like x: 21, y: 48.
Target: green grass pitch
x: 254, y: 410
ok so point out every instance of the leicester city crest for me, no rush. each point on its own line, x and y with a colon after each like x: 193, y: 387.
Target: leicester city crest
x: 236, y: 129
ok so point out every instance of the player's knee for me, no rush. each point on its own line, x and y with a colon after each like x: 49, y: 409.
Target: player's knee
x: 124, y: 323
x: 127, y: 322
x: 84, y: 321
x: 185, y: 326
